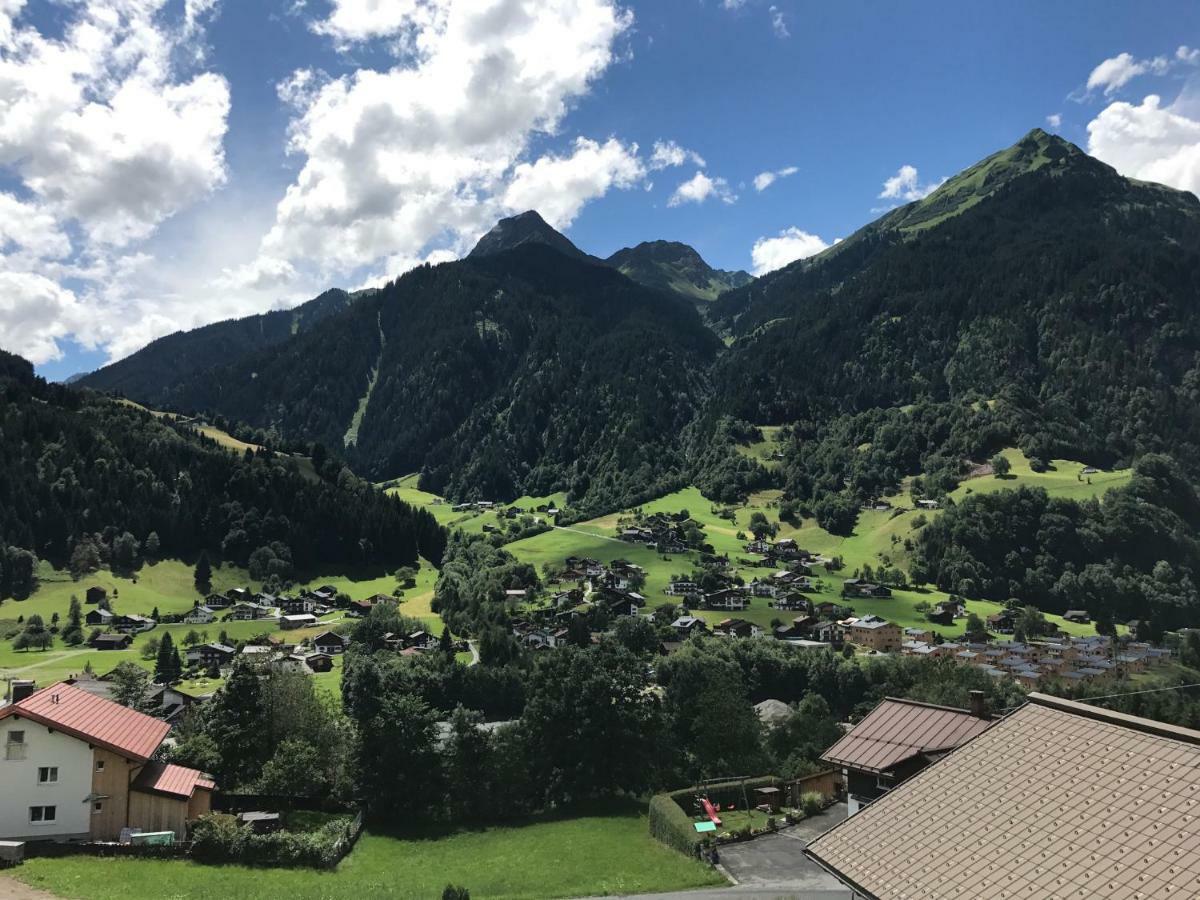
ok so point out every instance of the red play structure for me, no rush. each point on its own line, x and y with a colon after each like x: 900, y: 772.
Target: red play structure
x: 710, y: 811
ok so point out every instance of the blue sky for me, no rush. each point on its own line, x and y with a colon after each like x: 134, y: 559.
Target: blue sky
x: 193, y: 160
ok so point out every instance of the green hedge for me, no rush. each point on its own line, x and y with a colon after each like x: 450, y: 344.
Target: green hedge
x: 671, y: 819
x: 220, y: 838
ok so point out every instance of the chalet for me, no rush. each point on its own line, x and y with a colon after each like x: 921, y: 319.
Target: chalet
x: 95, y: 595
x: 78, y: 767
x: 357, y: 609
x: 201, y: 615
x: 300, y: 620
x: 99, y: 617
x: 1078, y: 616
x: 827, y: 608
x: 246, y: 612
x: 1003, y: 622
x: 210, y: 655
x: 238, y: 595
x: 758, y: 546
x: 737, y: 628
x: 298, y: 606
x: 683, y: 589
x: 856, y: 587
x: 764, y: 588
x: 111, y: 641
x: 330, y: 642
x: 686, y: 626
x: 928, y: 504
x: 620, y: 605
x: 728, y: 599
x: 421, y: 640
x: 319, y: 662
x: 794, y: 603
x: 1045, y: 804
x: 896, y: 740
x: 216, y: 601
x: 874, y: 633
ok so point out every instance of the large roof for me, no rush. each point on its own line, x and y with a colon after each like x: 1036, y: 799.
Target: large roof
x: 1057, y: 800
x: 898, y: 730
x: 96, y: 720
x: 178, y: 781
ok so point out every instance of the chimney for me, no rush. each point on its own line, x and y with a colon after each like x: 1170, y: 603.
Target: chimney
x: 977, y: 707
x: 21, y: 689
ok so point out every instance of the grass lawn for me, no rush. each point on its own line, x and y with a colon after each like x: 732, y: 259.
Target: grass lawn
x: 599, y: 854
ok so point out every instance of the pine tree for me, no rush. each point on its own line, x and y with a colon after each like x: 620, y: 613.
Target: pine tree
x: 446, y: 644
x: 167, y: 667
x: 203, y: 576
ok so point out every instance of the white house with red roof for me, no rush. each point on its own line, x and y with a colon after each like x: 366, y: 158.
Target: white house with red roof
x: 77, y: 767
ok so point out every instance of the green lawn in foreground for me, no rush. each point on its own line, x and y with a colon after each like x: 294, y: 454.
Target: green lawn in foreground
x: 604, y: 854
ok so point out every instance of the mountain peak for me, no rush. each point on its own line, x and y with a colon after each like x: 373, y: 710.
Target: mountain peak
x: 670, y: 265
x: 526, y: 228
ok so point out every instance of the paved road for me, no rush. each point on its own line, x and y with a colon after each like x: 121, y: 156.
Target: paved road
x: 774, y: 867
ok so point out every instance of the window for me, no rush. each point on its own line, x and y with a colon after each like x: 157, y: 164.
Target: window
x: 47, y: 774
x: 99, y: 765
x: 14, y: 745
x: 43, y: 815
x: 97, y: 807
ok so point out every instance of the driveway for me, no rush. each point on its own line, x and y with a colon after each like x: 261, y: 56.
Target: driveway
x: 774, y: 867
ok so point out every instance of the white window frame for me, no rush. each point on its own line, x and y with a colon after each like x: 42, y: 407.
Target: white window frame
x: 97, y: 807
x: 42, y: 818
x: 99, y: 765
x: 51, y: 773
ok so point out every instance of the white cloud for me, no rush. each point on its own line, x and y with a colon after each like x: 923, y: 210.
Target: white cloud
x: 1148, y: 141
x: 1188, y: 55
x: 764, y: 180
x: 1054, y: 120
x: 1117, y: 71
x: 791, y: 244
x: 778, y: 24
x: 699, y: 188
x: 559, y: 186
x: 108, y: 136
x: 427, y: 151
x: 668, y: 154
x: 906, y: 185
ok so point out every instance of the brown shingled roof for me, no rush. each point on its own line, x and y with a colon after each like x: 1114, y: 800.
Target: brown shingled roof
x: 897, y: 730
x: 96, y: 720
x: 162, y: 778
x: 1057, y: 800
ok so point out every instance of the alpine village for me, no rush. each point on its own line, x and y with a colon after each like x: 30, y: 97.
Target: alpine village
x: 536, y: 574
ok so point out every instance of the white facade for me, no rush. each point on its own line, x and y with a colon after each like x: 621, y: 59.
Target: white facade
x: 21, y: 764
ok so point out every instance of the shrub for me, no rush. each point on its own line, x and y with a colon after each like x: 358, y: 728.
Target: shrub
x: 221, y: 838
x: 812, y: 802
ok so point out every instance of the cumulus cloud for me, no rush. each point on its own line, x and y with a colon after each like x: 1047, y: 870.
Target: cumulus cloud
x: 1117, y: 71
x: 109, y: 137
x: 1054, y: 120
x: 764, y: 180
x: 434, y: 148
x: 668, y: 154
x: 559, y: 186
x: 906, y: 185
x: 791, y: 244
x: 778, y: 23
x: 699, y: 188
x: 1149, y: 141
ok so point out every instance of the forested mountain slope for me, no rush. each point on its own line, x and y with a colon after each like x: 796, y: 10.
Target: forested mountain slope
x: 672, y: 266
x: 523, y: 370
x: 1040, y: 281
x: 148, y: 374
x: 81, y: 466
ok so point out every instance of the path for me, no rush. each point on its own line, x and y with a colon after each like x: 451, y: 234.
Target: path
x: 45, y: 659
x: 474, y: 648
x: 591, y: 534
x: 11, y: 889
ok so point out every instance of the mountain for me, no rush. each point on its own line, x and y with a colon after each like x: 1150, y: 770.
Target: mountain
x: 672, y: 266
x: 522, y: 230
x: 1037, y: 299
x: 149, y: 374
x: 518, y: 371
x: 81, y: 467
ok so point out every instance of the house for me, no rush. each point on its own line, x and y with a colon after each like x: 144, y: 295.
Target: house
x: 99, y: 617
x: 216, y: 601
x: 77, y: 767
x: 319, y: 662
x: 1003, y: 622
x: 95, y: 595
x: 896, y: 740
x: 1020, y: 810
x: 246, y: 612
x: 111, y: 641
x: 299, y: 620
x: 208, y: 655
x: 1078, y: 616
x: 856, y: 587
x: 737, y: 628
x: 201, y: 615
x: 683, y: 589
x: 330, y: 642
x: 830, y: 633
x: 928, y: 504
x: 729, y: 599
x: 296, y: 606
x: 686, y: 626
x: 874, y: 633
x: 620, y: 604
x: 132, y: 623
x: 764, y: 588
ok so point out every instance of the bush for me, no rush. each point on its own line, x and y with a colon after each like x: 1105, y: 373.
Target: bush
x: 812, y: 802
x: 670, y: 825
x: 221, y: 838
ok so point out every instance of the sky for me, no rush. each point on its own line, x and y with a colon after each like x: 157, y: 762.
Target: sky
x: 169, y: 163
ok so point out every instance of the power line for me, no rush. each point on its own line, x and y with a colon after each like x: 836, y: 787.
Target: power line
x: 1176, y: 687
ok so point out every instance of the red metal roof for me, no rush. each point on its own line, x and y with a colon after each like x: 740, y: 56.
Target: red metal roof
x: 897, y: 730
x: 162, y: 778
x: 96, y: 720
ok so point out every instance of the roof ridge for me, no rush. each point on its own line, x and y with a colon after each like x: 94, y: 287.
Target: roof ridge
x: 1125, y: 720
x: 922, y: 703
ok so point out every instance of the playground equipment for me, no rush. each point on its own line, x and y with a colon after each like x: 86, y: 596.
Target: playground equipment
x: 710, y: 811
